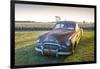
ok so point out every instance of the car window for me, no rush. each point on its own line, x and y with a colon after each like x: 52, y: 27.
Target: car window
x: 59, y: 26
x: 64, y: 26
x: 69, y: 26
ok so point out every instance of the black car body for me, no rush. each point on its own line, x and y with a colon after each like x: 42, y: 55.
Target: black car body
x: 61, y: 40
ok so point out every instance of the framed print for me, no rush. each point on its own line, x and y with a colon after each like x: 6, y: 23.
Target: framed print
x: 52, y: 34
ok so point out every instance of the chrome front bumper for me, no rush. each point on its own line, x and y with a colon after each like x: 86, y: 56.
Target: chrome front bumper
x: 57, y: 53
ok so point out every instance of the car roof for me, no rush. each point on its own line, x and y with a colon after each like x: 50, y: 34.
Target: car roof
x: 67, y: 22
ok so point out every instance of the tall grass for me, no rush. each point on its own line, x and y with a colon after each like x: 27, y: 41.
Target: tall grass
x: 45, y: 26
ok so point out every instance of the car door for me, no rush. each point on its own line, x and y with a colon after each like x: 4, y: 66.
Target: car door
x: 78, y: 32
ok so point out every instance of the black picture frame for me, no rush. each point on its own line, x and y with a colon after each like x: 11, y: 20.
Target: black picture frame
x: 12, y: 32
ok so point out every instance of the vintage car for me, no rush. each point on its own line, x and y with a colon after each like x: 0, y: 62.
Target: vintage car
x: 61, y: 40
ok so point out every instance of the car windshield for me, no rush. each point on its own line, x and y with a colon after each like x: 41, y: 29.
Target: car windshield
x: 64, y: 26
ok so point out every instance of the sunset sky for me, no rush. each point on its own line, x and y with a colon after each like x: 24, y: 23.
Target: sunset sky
x: 26, y: 12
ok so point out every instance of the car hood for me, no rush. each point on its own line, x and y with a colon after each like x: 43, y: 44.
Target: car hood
x: 60, y: 34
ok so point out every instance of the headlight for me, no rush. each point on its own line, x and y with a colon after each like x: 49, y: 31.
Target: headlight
x: 68, y: 42
x: 38, y: 40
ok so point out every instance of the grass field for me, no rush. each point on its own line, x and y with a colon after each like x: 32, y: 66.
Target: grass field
x: 26, y: 55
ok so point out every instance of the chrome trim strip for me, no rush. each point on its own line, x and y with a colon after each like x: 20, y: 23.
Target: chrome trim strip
x: 52, y: 44
x: 50, y: 50
x: 37, y: 49
x: 63, y: 53
x: 57, y: 53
